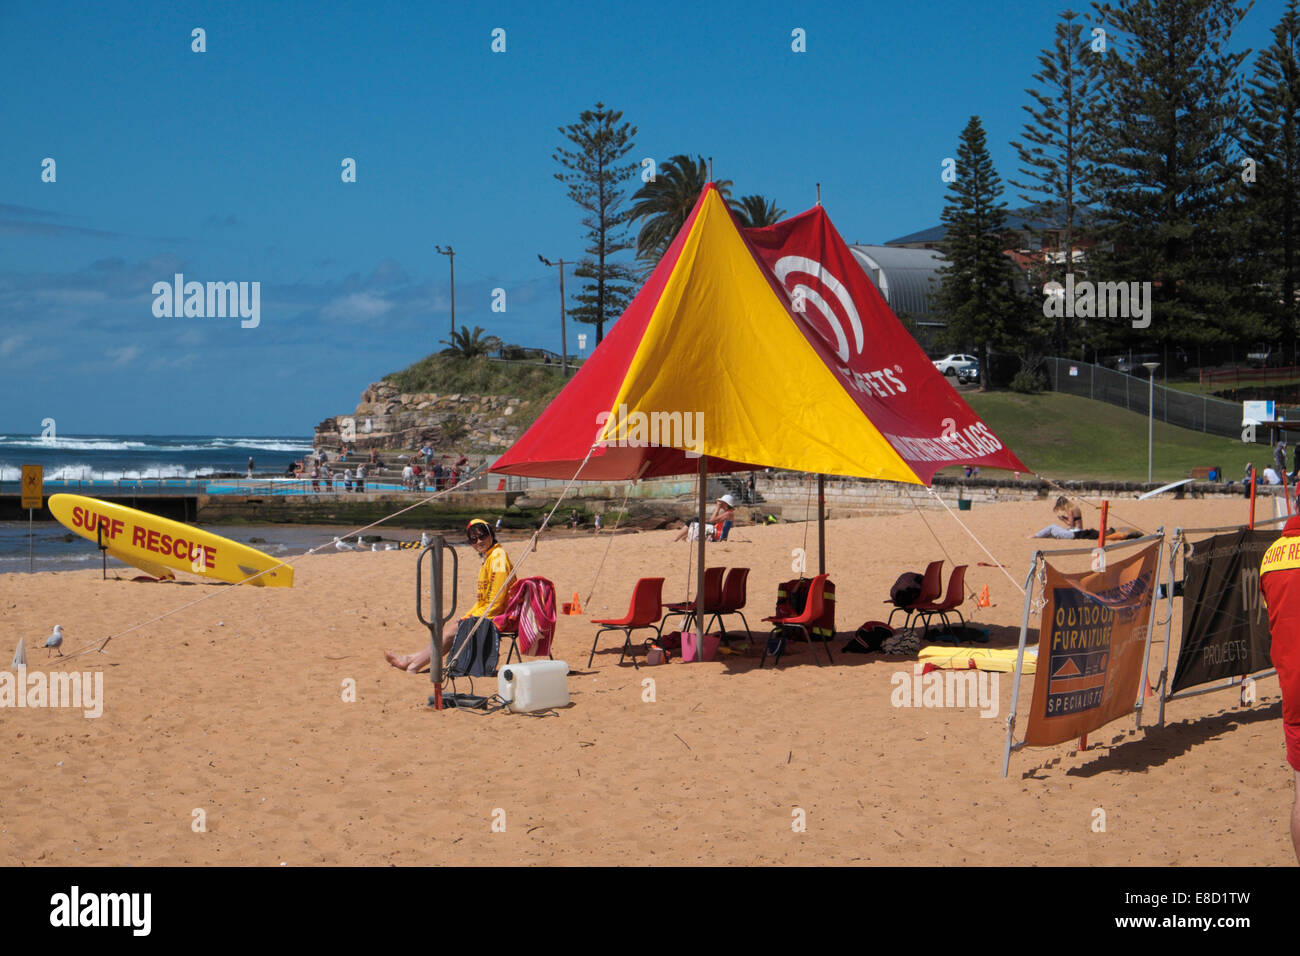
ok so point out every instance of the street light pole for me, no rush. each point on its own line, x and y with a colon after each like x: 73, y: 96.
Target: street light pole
x: 1151, y: 415
x: 450, y: 253
x: 564, y: 332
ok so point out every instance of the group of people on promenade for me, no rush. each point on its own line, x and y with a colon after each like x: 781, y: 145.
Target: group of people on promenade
x: 420, y: 473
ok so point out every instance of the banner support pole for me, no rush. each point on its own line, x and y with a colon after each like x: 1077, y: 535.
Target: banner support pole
x: 1174, y: 547
x: 1101, y: 544
x: 1151, y: 623
x: 1020, y: 661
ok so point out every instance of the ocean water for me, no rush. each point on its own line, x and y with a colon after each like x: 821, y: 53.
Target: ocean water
x: 147, y: 456
x: 55, y: 548
x: 113, y: 457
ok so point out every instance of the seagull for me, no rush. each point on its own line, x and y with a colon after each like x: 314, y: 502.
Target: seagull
x: 20, y: 655
x: 425, y: 540
x: 343, y: 545
x: 55, y: 640
x: 374, y: 546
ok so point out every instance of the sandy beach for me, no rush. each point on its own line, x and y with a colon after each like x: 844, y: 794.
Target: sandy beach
x: 235, y: 707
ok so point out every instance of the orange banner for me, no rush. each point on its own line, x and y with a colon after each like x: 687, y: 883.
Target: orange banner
x: 1090, y: 644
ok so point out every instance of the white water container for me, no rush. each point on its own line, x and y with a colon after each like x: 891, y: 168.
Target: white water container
x: 537, y: 685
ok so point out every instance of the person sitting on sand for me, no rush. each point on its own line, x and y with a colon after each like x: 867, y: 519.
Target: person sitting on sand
x: 1070, y: 519
x: 722, y: 517
x: 489, y: 599
x: 691, y: 531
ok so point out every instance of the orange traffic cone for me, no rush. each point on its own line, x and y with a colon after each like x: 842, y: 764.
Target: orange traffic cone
x: 984, y: 598
x: 576, y: 607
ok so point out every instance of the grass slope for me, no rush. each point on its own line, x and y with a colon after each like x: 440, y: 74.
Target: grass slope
x: 449, y: 374
x: 1065, y: 436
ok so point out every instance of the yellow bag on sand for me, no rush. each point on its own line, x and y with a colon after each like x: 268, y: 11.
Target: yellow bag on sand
x: 984, y: 658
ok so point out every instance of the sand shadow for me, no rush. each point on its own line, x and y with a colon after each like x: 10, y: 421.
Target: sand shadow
x: 1158, y: 745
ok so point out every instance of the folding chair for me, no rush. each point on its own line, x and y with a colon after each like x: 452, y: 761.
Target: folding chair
x: 952, y: 600
x: 712, y: 597
x: 931, y: 588
x: 644, y: 612
x: 734, y: 597
x: 812, y: 611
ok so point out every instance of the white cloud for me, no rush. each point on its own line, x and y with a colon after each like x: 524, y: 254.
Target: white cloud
x: 10, y: 345
x: 357, y: 307
x: 124, y: 355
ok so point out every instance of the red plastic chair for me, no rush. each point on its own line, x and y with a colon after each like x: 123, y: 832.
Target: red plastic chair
x: 645, y: 610
x: 931, y: 588
x: 952, y: 600
x: 734, y: 598
x: 812, y: 611
x: 712, y: 597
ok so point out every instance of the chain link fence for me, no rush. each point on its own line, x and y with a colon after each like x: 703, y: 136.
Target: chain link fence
x: 1213, y: 416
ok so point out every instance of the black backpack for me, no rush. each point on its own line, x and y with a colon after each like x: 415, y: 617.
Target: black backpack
x: 475, y: 651
x: 906, y: 589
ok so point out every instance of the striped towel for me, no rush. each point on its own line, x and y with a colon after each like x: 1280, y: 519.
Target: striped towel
x: 533, y: 606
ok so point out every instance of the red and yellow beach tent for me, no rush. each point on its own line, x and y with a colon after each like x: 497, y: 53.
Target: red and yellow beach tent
x: 756, y: 348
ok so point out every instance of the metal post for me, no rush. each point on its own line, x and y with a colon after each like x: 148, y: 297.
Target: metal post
x: 564, y: 332
x: 1020, y: 661
x: 821, y: 524
x: 1151, y: 414
x: 450, y: 253
x: 31, y: 561
x: 700, y: 608
x: 1163, y: 681
x: 1151, y: 621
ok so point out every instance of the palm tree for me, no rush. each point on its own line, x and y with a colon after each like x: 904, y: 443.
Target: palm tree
x: 468, y: 344
x: 665, y: 202
x: 755, y: 211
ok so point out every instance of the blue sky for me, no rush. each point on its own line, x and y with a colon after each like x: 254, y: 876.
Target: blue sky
x: 225, y: 166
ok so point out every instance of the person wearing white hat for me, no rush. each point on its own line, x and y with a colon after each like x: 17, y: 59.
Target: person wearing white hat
x: 722, y: 517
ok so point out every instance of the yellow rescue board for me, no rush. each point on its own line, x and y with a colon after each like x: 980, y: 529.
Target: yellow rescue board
x: 148, y: 567
x: 139, y: 538
x: 983, y: 658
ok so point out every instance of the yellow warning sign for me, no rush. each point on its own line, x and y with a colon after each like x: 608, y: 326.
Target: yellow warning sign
x: 33, y: 486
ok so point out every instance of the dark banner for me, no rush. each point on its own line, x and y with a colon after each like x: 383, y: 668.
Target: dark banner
x: 1090, y: 647
x: 1225, y: 623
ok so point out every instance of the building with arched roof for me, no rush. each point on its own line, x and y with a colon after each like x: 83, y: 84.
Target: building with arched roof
x: 908, y: 279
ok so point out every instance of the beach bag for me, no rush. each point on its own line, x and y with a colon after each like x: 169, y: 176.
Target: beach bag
x: 792, y: 597
x: 475, y: 650
x: 869, y: 638
x: 655, y: 655
x: 907, y: 589
x: 691, y: 646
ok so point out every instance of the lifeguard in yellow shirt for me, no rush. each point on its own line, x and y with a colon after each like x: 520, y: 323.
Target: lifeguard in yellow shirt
x: 489, y: 598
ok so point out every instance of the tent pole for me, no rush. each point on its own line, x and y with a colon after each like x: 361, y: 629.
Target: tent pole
x: 699, y: 570
x: 821, y: 524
